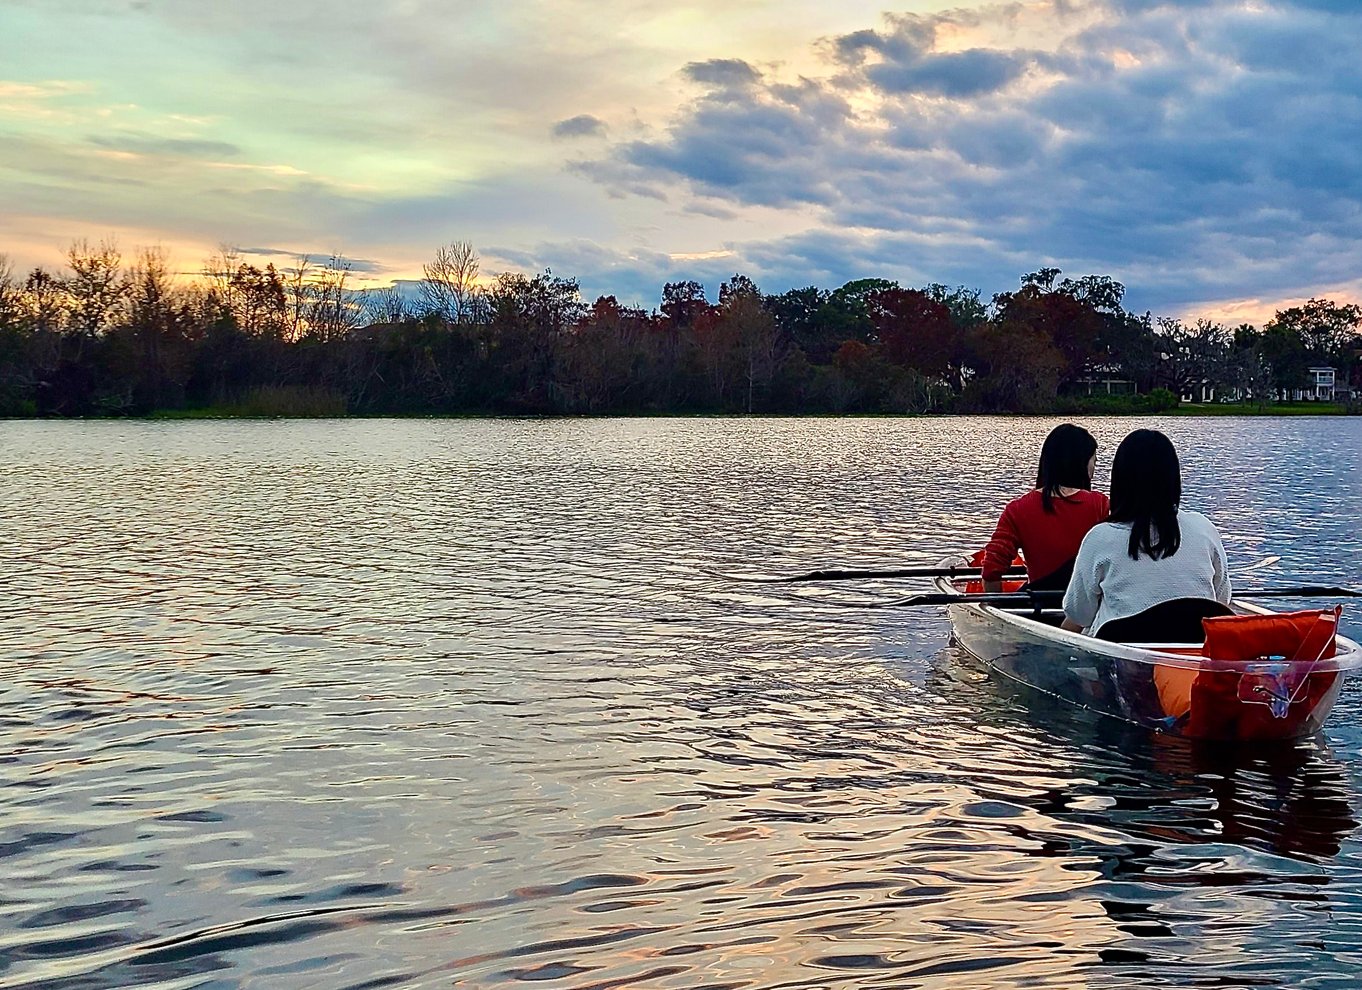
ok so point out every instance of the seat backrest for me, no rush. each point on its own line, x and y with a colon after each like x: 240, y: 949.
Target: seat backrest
x: 1283, y: 634
x: 1177, y: 620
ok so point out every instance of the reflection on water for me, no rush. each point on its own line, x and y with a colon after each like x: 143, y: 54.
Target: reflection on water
x: 365, y: 704
x: 1289, y: 799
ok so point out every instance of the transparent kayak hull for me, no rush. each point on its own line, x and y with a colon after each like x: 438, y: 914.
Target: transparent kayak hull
x: 1166, y: 687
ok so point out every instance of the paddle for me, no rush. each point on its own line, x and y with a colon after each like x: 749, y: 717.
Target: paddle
x: 1035, y: 599
x: 840, y: 575
x: 961, y: 571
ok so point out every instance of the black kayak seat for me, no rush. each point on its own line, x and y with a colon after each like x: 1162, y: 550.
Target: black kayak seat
x: 1177, y: 620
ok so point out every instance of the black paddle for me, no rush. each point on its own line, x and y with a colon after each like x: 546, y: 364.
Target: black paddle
x: 1035, y: 599
x: 957, y: 571
x: 963, y: 571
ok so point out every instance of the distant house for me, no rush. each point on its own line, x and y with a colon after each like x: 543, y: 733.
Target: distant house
x: 1108, y: 379
x: 1321, y: 384
x: 1206, y: 391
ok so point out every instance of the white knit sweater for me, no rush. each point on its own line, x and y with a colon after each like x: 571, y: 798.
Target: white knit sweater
x: 1108, y: 585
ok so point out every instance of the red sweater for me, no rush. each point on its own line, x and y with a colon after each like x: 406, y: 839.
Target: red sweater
x: 1047, y: 540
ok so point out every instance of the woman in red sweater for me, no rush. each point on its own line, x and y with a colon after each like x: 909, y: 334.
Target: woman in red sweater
x: 1049, y: 523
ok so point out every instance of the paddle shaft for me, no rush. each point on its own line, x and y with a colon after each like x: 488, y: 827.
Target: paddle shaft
x: 1038, y: 599
x: 963, y: 571
x: 902, y: 572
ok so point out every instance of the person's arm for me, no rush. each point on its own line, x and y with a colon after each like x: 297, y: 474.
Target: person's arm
x: 1084, y: 594
x: 1000, y: 551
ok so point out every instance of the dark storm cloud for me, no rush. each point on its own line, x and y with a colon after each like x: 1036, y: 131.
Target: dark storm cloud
x: 1194, y: 150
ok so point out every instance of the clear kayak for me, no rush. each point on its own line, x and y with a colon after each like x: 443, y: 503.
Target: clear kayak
x: 1174, y: 688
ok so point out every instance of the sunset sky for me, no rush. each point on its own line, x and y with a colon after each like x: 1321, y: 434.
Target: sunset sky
x: 1206, y: 153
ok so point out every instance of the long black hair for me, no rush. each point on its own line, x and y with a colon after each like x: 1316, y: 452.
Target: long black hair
x: 1146, y: 487
x: 1064, y: 462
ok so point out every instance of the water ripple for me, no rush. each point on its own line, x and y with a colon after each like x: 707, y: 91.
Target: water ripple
x: 364, y: 704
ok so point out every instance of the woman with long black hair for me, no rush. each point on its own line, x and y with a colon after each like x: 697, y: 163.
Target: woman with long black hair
x: 1150, y: 551
x: 1048, y: 523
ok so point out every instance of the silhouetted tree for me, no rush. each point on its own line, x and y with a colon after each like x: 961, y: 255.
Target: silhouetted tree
x: 386, y: 306
x: 1327, y: 331
x: 450, y: 288
x: 683, y: 303
x: 156, y: 331
x: 330, y: 307
x: 601, y: 359
x: 756, y: 340
x: 105, y: 340
x: 798, y: 315
x: 1194, y: 357
x: 96, y: 286
x: 1284, y: 352
x: 847, y: 313
x: 529, y: 317
x: 16, y: 359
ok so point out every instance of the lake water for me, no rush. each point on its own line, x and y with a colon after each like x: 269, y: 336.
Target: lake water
x: 360, y: 704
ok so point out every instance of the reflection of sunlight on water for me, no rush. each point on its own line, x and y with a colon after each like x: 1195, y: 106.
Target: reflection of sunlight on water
x: 329, y: 704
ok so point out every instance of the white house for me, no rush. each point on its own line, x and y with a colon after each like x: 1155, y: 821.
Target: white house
x: 1108, y: 379
x: 1320, y: 384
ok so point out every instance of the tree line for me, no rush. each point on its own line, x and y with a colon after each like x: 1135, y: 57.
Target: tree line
x: 105, y: 336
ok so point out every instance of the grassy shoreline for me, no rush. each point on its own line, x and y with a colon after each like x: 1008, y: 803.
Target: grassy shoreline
x: 1073, y: 409
x: 1208, y: 409
x: 1285, y: 409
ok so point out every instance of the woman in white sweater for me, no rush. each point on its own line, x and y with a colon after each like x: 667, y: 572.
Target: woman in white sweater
x: 1148, y: 551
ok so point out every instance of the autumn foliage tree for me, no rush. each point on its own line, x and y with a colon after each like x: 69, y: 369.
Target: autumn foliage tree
x: 101, y: 336
x: 916, y: 331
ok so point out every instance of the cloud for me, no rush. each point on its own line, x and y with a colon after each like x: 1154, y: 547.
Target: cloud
x: 753, y: 144
x: 727, y: 72
x: 52, y: 89
x: 361, y: 266
x: 186, y: 198
x: 634, y: 277
x: 959, y: 74
x: 1193, y: 150
x: 171, y: 147
x: 582, y: 125
x: 1198, y: 149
